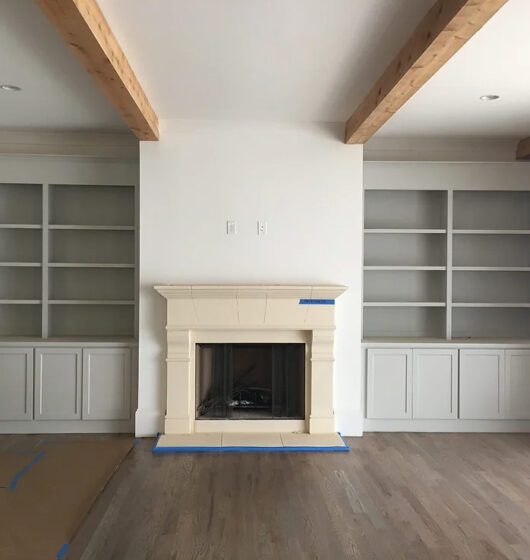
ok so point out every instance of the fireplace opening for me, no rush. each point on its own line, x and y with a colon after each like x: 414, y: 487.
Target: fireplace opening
x: 250, y: 381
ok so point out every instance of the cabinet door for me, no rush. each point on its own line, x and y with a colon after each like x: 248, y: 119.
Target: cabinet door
x: 518, y: 384
x: 389, y: 383
x: 482, y: 384
x: 16, y: 384
x: 57, y: 383
x: 106, y: 383
x: 434, y: 384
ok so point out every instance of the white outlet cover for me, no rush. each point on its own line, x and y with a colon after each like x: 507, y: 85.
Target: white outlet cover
x: 231, y: 227
x: 262, y: 228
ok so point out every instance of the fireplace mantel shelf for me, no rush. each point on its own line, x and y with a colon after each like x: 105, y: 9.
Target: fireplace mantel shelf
x: 250, y: 291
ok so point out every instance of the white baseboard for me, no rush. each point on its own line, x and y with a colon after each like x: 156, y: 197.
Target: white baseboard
x: 149, y: 422
x: 66, y: 427
x: 373, y: 425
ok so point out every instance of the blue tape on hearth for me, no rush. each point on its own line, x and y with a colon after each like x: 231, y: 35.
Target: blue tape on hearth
x: 62, y: 550
x: 25, y: 470
x: 317, y: 302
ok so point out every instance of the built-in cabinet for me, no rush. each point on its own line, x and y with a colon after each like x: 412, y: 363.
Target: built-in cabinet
x: 435, y: 383
x: 57, y: 384
x: 448, y: 384
x: 482, y: 384
x: 16, y: 384
x: 65, y: 384
x: 68, y: 296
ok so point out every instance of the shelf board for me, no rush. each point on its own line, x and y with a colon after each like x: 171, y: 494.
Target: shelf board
x: 404, y: 304
x: 91, y: 302
x: 403, y: 230
x: 91, y: 228
x: 492, y: 268
x: 490, y: 304
x: 492, y: 231
x: 384, y: 267
x: 22, y: 264
x: 91, y: 265
x: 20, y: 301
x: 20, y: 226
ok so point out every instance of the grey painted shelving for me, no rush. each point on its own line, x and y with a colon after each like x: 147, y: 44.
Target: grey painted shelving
x: 447, y: 264
x: 67, y: 261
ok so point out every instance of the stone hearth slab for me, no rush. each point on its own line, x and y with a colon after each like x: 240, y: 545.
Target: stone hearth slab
x: 251, y: 440
x: 234, y: 441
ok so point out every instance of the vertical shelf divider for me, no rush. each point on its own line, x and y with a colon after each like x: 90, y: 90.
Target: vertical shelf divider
x: 45, y: 257
x: 449, y: 263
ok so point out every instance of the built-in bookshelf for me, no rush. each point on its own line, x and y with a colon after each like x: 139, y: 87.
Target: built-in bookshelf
x: 447, y: 264
x: 67, y: 261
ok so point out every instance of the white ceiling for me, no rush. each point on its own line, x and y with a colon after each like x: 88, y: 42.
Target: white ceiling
x: 281, y: 60
x: 495, y: 61
x: 57, y: 92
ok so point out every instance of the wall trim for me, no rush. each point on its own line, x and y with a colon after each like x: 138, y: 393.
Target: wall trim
x: 118, y: 145
x: 440, y: 149
x: 462, y: 426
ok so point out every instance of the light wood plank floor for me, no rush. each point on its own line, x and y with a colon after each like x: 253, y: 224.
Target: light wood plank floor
x: 394, y: 496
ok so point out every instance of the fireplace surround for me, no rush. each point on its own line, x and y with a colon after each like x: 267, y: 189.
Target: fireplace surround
x: 237, y: 316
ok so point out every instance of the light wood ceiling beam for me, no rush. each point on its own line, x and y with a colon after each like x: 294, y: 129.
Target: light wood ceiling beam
x: 446, y: 27
x: 523, y: 149
x: 86, y: 31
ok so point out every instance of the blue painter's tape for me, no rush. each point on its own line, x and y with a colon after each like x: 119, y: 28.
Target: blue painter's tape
x: 62, y: 550
x: 25, y: 469
x: 317, y: 302
x: 136, y: 442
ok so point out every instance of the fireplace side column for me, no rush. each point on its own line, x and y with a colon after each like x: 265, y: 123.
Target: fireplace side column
x: 179, y: 417
x: 321, y: 418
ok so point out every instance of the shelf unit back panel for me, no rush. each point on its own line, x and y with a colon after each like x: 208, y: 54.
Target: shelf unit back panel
x: 20, y: 320
x: 491, y: 287
x: 491, y: 250
x: 414, y: 249
x: 20, y: 204
x: 492, y: 210
x: 404, y: 322
x: 81, y: 246
x: 411, y: 209
x: 91, y: 320
x: 404, y: 286
x: 20, y: 283
x: 91, y: 284
x: 21, y: 245
x: 92, y: 205
x: 491, y: 322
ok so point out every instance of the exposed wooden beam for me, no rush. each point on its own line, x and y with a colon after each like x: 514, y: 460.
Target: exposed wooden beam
x: 446, y: 27
x: 84, y: 28
x: 523, y: 149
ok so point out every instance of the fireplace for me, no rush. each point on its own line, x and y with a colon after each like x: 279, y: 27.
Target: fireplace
x: 250, y: 358
x: 250, y: 381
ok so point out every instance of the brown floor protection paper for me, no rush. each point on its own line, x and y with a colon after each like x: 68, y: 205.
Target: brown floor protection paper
x: 51, y: 498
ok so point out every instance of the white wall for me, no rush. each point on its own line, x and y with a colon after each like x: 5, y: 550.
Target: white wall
x: 302, y: 179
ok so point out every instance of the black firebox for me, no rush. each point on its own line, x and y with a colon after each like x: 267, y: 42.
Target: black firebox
x: 250, y: 381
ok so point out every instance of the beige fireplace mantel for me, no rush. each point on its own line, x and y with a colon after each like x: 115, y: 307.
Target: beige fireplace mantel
x: 249, y: 313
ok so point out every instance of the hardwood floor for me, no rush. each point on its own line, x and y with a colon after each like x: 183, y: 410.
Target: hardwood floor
x: 394, y: 496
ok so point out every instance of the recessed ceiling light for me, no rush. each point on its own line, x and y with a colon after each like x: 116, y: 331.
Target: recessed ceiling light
x: 9, y: 87
x: 489, y: 97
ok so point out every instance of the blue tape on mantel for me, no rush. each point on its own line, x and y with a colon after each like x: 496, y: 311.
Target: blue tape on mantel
x: 317, y: 302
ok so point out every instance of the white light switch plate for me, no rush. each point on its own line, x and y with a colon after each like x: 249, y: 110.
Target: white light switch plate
x: 262, y: 228
x: 231, y: 227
